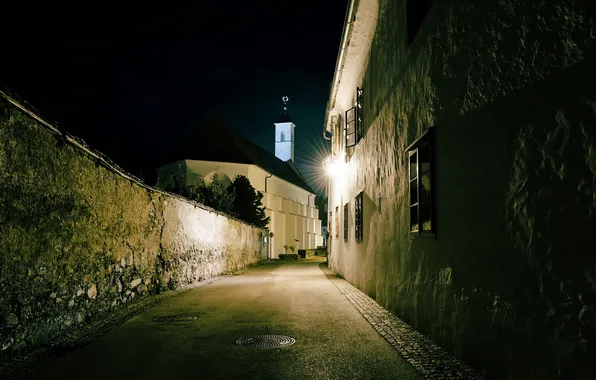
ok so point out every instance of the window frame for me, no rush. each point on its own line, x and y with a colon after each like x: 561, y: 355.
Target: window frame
x: 359, y: 217
x: 337, y: 221
x: 346, y: 221
x: 426, y: 139
x: 354, y: 121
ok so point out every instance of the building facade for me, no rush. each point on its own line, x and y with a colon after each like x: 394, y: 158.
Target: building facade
x: 463, y: 174
x: 288, y: 200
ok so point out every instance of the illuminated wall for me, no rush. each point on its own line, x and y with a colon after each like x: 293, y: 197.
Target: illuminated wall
x: 292, y: 206
x: 284, y: 141
x: 78, y: 241
x: 508, y: 279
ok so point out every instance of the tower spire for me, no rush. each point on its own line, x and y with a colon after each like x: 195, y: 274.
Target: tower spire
x: 285, y: 100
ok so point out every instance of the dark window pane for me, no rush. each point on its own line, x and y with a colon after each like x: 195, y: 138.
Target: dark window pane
x: 351, y: 127
x: 346, y: 222
x: 350, y: 115
x: 425, y: 217
x: 359, y: 217
x: 350, y: 140
x: 413, y: 165
x: 413, y: 192
x: 424, y: 158
x: 414, y: 218
x: 425, y: 185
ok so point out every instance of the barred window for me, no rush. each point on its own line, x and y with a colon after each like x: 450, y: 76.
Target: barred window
x: 422, y: 184
x: 359, y: 217
x: 346, y: 207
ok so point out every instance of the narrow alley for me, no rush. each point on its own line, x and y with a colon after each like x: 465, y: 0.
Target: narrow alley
x: 194, y: 335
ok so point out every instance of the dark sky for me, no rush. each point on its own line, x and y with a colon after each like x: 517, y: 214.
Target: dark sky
x: 132, y: 78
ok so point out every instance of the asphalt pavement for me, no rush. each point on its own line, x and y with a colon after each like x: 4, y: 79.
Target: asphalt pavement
x: 193, y: 335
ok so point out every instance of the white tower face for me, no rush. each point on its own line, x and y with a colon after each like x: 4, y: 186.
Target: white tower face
x: 284, y: 135
x: 284, y: 140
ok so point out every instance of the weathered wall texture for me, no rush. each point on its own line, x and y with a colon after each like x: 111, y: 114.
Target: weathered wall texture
x: 78, y: 240
x: 509, y: 280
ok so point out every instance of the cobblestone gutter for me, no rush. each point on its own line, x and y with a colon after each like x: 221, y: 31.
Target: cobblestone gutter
x: 427, y: 357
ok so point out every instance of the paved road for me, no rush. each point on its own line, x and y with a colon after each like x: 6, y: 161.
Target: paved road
x: 333, y: 340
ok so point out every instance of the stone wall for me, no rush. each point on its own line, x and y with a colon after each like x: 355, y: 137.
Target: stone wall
x: 508, y: 282
x: 78, y: 240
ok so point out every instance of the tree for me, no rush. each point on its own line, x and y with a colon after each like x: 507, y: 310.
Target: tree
x: 239, y: 199
x: 215, y: 195
x: 247, y: 203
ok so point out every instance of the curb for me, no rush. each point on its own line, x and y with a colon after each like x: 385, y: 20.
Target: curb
x: 427, y: 357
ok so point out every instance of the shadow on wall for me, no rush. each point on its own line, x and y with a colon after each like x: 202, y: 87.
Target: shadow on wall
x: 518, y: 247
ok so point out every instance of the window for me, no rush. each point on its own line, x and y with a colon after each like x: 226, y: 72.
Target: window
x: 420, y: 155
x: 338, y: 136
x: 416, y: 13
x: 346, y: 207
x: 283, y: 136
x: 355, y: 121
x: 359, y: 217
x: 337, y: 221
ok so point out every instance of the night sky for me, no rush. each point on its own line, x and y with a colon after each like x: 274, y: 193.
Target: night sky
x: 132, y: 79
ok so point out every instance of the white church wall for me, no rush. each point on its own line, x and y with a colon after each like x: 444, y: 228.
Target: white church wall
x: 276, y: 185
x: 199, y: 169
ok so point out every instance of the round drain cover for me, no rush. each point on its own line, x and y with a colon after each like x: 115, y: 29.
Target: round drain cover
x: 175, y: 318
x: 266, y: 341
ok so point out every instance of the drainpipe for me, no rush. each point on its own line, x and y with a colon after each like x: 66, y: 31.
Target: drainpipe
x: 269, y: 176
x: 340, y: 57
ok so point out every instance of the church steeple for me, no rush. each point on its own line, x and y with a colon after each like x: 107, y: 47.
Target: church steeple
x: 284, y: 134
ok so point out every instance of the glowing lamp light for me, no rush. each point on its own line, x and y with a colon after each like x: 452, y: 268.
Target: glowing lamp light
x: 331, y: 169
x: 334, y: 167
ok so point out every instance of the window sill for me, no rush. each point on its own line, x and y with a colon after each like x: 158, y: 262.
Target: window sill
x: 417, y: 235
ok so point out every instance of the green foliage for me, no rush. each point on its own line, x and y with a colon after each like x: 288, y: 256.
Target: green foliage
x: 289, y: 256
x: 215, y: 195
x: 286, y: 247
x: 292, y: 248
x: 247, y: 204
x: 240, y: 199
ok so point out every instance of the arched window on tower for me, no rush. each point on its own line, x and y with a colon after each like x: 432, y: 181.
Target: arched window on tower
x: 283, y: 136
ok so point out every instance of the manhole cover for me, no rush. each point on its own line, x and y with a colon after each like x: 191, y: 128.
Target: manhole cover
x: 266, y: 341
x: 175, y: 318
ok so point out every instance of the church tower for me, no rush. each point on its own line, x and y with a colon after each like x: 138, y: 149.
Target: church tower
x: 284, y: 135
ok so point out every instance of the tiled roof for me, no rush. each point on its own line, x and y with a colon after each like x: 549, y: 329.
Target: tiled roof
x: 215, y: 142
x: 284, y: 118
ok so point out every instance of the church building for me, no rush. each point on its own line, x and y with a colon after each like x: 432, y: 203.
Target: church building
x: 288, y: 199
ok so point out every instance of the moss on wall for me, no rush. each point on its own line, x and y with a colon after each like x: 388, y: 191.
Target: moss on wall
x: 508, y: 283
x: 78, y: 240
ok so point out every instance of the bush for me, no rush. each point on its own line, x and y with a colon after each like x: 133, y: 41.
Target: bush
x: 302, y: 253
x: 288, y: 256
